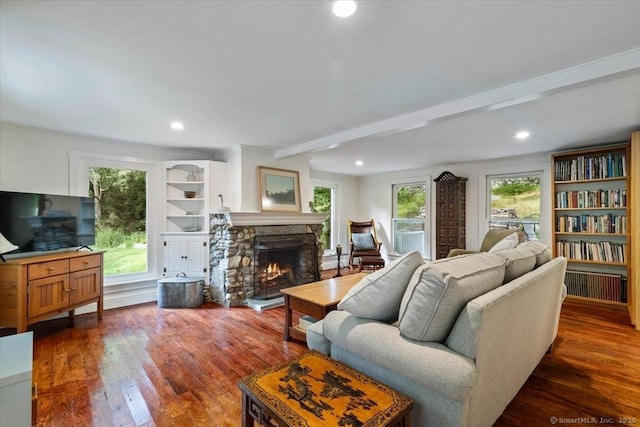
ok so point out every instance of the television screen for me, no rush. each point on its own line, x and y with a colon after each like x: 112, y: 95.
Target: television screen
x: 46, y: 222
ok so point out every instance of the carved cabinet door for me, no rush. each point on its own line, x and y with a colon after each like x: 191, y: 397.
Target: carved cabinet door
x: 450, y: 213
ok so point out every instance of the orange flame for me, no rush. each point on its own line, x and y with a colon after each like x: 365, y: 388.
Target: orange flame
x: 273, y: 271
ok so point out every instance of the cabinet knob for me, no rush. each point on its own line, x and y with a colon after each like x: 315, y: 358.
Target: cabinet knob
x: 50, y: 269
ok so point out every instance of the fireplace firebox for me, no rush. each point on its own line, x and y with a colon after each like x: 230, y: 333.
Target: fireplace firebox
x: 282, y: 261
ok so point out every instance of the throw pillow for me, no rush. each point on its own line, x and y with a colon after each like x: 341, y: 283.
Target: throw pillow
x: 378, y: 295
x: 540, y: 249
x: 363, y: 241
x: 438, y: 292
x: 509, y: 242
x: 519, y: 261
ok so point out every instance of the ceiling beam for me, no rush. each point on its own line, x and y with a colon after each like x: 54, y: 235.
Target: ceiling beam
x: 605, y: 69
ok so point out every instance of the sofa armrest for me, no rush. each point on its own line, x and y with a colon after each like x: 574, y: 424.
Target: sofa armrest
x: 316, y: 339
x: 428, y: 363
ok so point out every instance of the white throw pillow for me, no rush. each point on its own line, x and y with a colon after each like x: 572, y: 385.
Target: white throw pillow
x: 509, y: 242
x: 378, y: 295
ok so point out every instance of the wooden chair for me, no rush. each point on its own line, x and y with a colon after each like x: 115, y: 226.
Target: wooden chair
x: 363, y: 240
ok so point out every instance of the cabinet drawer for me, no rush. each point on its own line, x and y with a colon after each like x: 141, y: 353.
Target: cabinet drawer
x: 82, y: 263
x: 48, y: 268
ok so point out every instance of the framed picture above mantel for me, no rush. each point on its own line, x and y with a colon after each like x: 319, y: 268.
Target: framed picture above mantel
x: 279, y: 190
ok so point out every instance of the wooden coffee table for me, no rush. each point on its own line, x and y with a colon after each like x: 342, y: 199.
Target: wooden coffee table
x: 315, y: 391
x: 315, y: 299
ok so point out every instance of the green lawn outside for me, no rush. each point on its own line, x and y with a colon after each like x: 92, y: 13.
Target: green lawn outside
x: 124, y: 260
x: 527, y: 205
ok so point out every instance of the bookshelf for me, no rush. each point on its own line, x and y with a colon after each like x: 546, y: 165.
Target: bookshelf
x: 191, y: 193
x: 591, y: 222
x: 634, y: 243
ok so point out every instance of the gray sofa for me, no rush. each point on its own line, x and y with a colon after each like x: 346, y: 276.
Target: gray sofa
x: 460, y: 336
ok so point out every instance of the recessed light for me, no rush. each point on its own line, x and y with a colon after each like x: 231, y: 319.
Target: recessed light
x: 177, y: 125
x: 359, y: 163
x: 523, y: 134
x: 344, y: 8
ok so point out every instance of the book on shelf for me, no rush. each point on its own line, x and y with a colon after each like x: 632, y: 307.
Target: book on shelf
x: 608, y: 287
x: 605, y: 224
x: 610, y: 165
x: 583, y: 199
x: 604, y: 251
x: 306, y: 321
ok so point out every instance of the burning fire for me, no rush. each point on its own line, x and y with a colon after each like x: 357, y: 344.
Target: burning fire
x: 274, y: 271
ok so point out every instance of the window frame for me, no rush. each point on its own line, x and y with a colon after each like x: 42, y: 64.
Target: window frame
x: 79, y: 164
x: 335, y: 232
x: 488, y: 178
x: 426, y: 244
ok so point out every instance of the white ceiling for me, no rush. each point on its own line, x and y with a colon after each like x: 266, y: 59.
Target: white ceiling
x: 399, y: 85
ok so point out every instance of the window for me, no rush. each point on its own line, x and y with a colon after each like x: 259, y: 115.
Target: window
x: 121, y: 218
x: 514, y: 202
x: 409, y: 217
x: 128, y: 222
x: 324, y: 201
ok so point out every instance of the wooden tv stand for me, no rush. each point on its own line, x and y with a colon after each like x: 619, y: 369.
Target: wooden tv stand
x: 34, y: 288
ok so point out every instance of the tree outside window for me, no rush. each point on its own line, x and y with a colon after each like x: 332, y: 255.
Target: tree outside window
x: 323, y: 202
x: 409, y: 211
x: 121, y: 218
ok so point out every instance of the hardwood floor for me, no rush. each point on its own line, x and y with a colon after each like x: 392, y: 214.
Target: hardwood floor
x: 145, y: 366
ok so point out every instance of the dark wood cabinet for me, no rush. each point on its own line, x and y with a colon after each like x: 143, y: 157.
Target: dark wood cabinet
x: 451, y: 201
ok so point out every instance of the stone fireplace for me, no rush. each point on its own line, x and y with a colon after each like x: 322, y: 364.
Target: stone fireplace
x: 253, y: 255
x: 284, y: 260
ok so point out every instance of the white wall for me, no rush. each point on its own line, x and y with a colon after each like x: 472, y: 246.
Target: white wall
x: 375, y: 197
x: 37, y: 160
x: 243, y: 176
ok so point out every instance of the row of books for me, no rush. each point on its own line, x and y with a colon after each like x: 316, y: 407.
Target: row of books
x: 607, y: 223
x: 593, y: 251
x: 609, y: 287
x: 592, y: 199
x: 612, y: 165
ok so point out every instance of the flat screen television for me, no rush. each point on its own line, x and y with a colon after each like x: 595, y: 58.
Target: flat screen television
x: 46, y: 222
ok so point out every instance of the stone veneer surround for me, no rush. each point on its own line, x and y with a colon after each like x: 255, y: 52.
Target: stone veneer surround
x: 231, y: 248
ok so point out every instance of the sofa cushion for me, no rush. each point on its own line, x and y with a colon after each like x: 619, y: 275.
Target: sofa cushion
x: 438, y: 292
x: 519, y: 261
x: 363, y: 241
x: 540, y: 249
x: 509, y: 242
x: 378, y: 295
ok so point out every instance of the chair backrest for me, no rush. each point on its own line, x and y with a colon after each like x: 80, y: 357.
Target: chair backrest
x: 361, y: 227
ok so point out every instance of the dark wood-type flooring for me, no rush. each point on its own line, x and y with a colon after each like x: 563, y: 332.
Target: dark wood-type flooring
x: 145, y: 366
